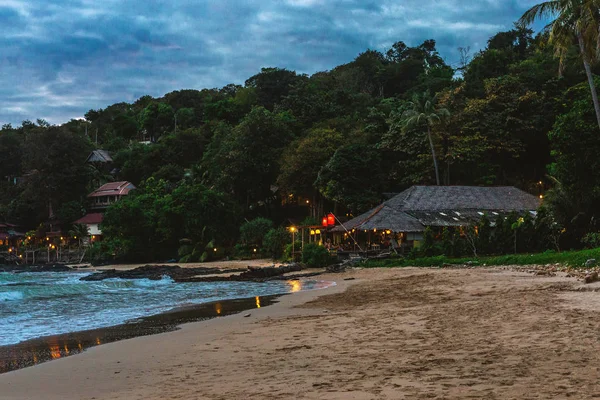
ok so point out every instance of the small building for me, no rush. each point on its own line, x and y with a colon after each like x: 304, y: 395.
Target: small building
x: 109, y: 193
x: 9, y: 236
x: 402, y: 219
x: 92, y: 221
x: 99, y: 157
x: 100, y: 200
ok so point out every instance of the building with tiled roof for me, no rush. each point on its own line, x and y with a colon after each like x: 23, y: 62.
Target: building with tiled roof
x: 109, y: 193
x: 100, y: 200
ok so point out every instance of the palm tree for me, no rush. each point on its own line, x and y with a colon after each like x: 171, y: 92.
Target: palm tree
x: 574, y: 20
x: 79, y: 232
x: 423, y: 110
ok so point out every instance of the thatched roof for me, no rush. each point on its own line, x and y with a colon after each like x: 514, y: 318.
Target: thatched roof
x: 421, y: 206
x: 397, y: 221
x: 434, y: 198
x: 99, y: 156
x: 356, y: 221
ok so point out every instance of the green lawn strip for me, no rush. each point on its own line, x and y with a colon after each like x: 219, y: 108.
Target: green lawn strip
x: 568, y: 258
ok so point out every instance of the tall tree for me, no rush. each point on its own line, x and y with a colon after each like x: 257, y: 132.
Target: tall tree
x: 574, y: 19
x: 422, y: 111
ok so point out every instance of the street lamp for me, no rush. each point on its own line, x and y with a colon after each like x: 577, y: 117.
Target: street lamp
x: 293, y: 230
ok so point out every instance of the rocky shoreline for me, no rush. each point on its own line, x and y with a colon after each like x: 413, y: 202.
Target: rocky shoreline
x: 588, y: 274
x: 198, y: 274
x: 177, y: 273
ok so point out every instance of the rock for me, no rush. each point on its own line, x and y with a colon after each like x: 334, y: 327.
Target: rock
x: 35, y: 268
x: 254, y: 274
x: 155, y: 272
x: 178, y: 274
x: 268, y: 272
x: 247, y: 315
x: 590, y: 263
x: 589, y: 278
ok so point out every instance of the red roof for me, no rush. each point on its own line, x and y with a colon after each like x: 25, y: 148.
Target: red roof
x: 88, y: 219
x: 113, y: 189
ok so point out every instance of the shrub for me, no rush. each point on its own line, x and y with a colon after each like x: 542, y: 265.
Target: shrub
x: 430, y: 247
x: 242, y: 251
x: 108, y: 251
x: 315, y: 256
x: 199, y: 252
x: 287, y: 254
x: 591, y: 240
x: 253, y: 232
x: 274, y: 242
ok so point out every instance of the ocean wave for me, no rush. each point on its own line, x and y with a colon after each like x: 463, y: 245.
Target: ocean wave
x: 55, y: 303
x: 62, y: 289
x: 11, y: 296
x: 146, y: 283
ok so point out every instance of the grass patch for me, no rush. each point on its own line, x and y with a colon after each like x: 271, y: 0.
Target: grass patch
x: 568, y: 258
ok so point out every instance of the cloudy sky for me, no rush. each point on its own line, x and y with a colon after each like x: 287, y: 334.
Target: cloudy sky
x: 60, y: 58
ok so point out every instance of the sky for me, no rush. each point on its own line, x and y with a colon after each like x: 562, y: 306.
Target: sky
x: 61, y: 58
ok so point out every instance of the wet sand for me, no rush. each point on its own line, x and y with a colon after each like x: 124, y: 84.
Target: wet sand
x: 388, y: 334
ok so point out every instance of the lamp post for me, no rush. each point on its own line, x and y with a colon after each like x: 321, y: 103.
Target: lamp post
x: 293, y: 230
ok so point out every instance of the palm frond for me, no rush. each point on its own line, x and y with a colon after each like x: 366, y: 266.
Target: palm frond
x: 540, y: 11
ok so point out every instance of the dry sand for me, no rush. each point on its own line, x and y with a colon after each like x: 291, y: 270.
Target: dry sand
x: 389, y: 334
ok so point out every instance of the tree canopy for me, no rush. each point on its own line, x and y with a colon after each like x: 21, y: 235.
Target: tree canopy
x: 287, y: 145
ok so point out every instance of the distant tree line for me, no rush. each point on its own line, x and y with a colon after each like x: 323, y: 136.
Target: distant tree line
x: 511, y: 114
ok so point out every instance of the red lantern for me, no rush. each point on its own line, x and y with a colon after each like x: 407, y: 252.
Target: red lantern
x: 324, y: 222
x: 330, y: 219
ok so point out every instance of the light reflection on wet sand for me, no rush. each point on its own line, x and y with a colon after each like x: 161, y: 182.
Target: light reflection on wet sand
x: 39, y: 350
x: 36, y: 351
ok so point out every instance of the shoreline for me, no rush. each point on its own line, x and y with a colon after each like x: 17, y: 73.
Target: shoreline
x: 46, y: 380
x: 387, y: 333
x: 39, y: 350
x: 48, y: 348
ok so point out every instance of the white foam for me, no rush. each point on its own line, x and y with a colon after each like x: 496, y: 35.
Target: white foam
x: 55, y: 303
x: 146, y: 283
x: 10, y: 296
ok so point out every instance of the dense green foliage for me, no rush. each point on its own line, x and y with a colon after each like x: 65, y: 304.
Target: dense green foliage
x: 513, y: 234
x: 156, y: 218
x: 315, y: 256
x: 337, y: 140
x: 253, y: 232
x: 275, y: 242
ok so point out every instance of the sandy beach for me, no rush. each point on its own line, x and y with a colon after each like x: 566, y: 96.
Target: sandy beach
x: 384, y: 334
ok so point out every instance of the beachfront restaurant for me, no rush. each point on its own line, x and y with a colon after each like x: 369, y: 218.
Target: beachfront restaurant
x: 398, y: 224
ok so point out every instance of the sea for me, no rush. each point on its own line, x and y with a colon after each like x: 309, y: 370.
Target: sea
x: 34, y: 305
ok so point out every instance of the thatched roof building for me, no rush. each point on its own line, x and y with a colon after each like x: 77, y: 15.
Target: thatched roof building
x: 99, y: 156
x: 421, y: 206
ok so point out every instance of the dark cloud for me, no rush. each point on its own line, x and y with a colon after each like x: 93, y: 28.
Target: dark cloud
x: 59, y: 58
